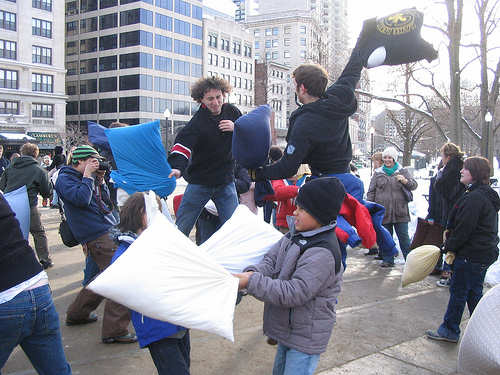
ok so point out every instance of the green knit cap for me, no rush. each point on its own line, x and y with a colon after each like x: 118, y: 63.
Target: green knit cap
x: 83, y: 152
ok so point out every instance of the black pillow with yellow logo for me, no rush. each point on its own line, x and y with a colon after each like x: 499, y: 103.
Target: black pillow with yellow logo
x: 394, y: 40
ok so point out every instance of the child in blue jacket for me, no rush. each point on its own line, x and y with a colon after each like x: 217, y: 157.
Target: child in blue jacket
x: 168, y: 344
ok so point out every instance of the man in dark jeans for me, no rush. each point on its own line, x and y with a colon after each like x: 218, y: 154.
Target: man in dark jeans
x: 25, y: 170
x: 88, y: 209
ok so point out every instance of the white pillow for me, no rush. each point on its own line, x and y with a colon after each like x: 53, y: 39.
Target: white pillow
x: 419, y: 264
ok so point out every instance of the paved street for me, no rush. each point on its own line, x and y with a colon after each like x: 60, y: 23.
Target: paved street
x: 380, y: 327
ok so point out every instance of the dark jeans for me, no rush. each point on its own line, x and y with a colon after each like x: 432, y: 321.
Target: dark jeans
x: 466, y: 287
x: 206, y: 225
x: 402, y: 233
x: 116, y: 317
x: 90, y: 271
x: 30, y: 320
x: 38, y: 232
x: 171, y: 356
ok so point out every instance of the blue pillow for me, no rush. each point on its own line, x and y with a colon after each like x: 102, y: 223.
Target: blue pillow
x: 141, y: 159
x: 20, y: 205
x: 252, y: 137
x: 97, y: 136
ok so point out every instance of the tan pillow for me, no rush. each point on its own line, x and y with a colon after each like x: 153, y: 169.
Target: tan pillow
x: 419, y: 264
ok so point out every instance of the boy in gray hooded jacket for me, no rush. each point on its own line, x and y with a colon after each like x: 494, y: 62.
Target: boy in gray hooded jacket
x: 300, y: 278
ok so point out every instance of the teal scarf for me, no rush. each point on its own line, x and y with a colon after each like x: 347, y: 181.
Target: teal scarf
x: 390, y: 171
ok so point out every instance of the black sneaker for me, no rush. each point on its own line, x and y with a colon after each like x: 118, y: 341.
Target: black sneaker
x: 372, y: 251
x: 434, y: 335
x: 387, y: 265
x: 46, y: 263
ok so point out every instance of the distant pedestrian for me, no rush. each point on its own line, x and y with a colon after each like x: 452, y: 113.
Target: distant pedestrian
x: 4, y: 162
x: 472, y: 241
x: 25, y: 170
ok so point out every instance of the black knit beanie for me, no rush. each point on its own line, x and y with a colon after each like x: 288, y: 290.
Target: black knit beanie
x: 322, y: 198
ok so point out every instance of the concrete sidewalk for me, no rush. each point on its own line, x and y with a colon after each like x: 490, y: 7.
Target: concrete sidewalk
x: 380, y: 327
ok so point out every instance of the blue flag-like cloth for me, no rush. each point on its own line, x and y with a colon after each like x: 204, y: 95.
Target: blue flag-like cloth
x: 19, y: 203
x: 141, y: 159
x: 97, y: 135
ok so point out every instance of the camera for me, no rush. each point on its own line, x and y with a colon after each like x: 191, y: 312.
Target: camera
x: 104, y: 165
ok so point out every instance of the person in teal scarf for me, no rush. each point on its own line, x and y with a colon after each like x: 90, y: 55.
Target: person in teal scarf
x: 387, y: 188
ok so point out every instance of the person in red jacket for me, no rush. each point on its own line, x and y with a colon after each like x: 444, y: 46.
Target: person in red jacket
x: 285, y: 191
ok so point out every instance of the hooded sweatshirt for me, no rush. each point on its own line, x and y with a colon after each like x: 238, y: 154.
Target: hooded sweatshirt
x: 318, y: 133
x: 25, y: 170
x: 473, y: 222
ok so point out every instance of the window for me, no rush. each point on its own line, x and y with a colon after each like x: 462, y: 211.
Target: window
x: 182, y: 48
x: 71, y: 48
x: 42, y: 110
x: 72, y: 28
x: 224, y: 44
x: 8, y: 107
x: 196, y: 51
x: 165, y: 4
x: 107, y: 105
x: 163, y: 84
x: 71, y: 8
x: 42, y: 82
x: 136, y: 59
x: 183, y: 7
x: 269, y: 32
x: 286, y: 41
x: 88, y: 66
x: 8, y: 49
x: 72, y: 108
x: 88, y: 107
x: 88, y: 5
x: 197, y: 32
x: 108, y: 63
x: 107, y: 84
x: 257, y: 44
x: 88, y: 45
x: 274, y: 55
x: 268, y: 43
x: 137, y: 37
x: 275, y: 43
x: 182, y: 27
x: 71, y: 68
x: 163, y: 63
x: 88, y: 86
x: 41, y: 55
x: 129, y: 104
x: 257, y: 56
x: 136, y: 82
x: 302, y: 41
x: 108, y: 21
x: 286, y: 54
x: 302, y: 29
x: 181, y: 67
x: 181, y: 87
x: 7, y: 20
x: 256, y: 33
x: 197, y: 12
x: 163, y: 22
x: 88, y: 25
x: 71, y: 87
x: 287, y: 29
x: 237, y: 48
x: 196, y: 70
x: 42, y: 4
x: 275, y: 31
x: 107, y: 3
x: 248, y: 51
x: 133, y: 16
x: 41, y: 28
x: 108, y: 42
x: 162, y: 104
x: 180, y: 107
x: 163, y: 42
x: 8, y: 79
x: 268, y: 55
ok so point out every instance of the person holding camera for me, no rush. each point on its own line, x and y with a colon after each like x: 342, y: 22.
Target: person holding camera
x: 88, y: 209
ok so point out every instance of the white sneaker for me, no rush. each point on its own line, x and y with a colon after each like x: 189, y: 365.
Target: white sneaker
x: 443, y: 283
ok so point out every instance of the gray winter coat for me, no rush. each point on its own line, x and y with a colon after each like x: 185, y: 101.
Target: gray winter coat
x: 388, y: 191
x: 299, y: 292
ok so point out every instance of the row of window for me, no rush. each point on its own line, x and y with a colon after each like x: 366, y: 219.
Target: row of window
x: 39, y: 27
x: 225, y: 62
x: 273, y: 43
x: 9, y: 79
x: 236, y: 82
x: 179, y: 6
x: 275, y: 54
x: 8, y: 107
x: 40, y: 55
x: 213, y: 41
x: 130, y: 104
x: 129, y: 82
x: 134, y: 38
x: 134, y: 60
x: 274, y: 31
x: 42, y: 4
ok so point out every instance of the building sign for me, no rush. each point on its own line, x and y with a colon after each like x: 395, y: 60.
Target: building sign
x: 46, y: 140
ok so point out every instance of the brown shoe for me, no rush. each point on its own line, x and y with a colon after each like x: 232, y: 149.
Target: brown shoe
x: 74, y: 322
x: 129, y: 338
x: 271, y: 341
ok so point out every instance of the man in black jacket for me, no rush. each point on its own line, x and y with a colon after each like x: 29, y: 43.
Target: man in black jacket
x: 4, y: 162
x: 25, y: 170
x: 202, y: 154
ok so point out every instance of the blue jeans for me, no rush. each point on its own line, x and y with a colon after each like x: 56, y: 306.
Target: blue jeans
x: 31, y: 321
x: 90, y: 271
x: 196, y: 196
x: 466, y: 287
x: 171, y: 356
x: 402, y: 233
x: 292, y: 362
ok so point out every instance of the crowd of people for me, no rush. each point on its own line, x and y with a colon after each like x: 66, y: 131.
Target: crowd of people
x: 299, y: 279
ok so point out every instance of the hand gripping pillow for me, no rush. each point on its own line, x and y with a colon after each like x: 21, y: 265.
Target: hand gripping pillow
x: 252, y: 137
x: 164, y: 276
x: 394, y: 40
x: 419, y: 264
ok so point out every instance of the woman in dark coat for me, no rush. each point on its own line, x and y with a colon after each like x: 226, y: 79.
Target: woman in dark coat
x: 472, y: 242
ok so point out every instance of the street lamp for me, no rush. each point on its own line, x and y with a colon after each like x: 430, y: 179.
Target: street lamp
x: 167, y: 115
x: 372, y: 133
x: 488, y: 118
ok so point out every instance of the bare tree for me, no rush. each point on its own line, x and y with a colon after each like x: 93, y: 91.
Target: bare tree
x: 74, y: 136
